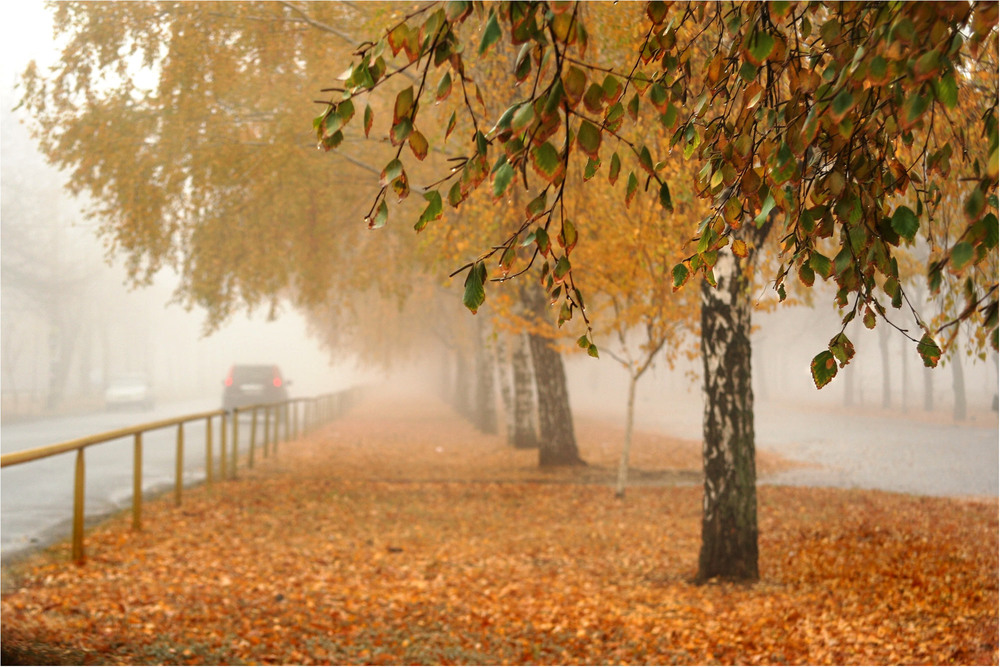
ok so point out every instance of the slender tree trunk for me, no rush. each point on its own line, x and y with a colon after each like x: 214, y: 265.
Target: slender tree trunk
x: 883, y: 346
x: 848, y: 373
x: 996, y: 395
x: 960, y: 411
x: 446, y: 382
x: 928, y: 389
x: 627, y: 447
x: 462, y: 398
x: 525, y: 407
x: 485, y: 415
x: 729, y: 521
x: 904, y: 381
x: 506, y: 385
x: 62, y: 347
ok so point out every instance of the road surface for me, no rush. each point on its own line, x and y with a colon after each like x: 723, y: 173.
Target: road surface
x: 901, y: 453
x: 36, y: 498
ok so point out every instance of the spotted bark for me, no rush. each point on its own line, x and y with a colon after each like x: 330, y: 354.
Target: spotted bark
x: 729, y: 520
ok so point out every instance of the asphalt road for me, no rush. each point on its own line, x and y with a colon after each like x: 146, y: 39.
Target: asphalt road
x: 36, y: 498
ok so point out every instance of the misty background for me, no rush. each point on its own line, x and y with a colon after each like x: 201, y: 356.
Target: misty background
x: 69, y: 323
x: 68, y: 320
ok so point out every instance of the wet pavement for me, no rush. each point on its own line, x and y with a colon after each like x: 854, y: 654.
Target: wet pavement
x: 891, y: 452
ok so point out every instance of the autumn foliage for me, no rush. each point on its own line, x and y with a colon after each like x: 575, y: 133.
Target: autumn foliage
x: 402, y: 536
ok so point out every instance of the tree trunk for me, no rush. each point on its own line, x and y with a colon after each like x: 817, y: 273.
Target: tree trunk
x: 960, y: 411
x: 62, y: 346
x: 557, y: 442
x: 461, y: 399
x: 849, y: 388
x: 525, y: 412
x: 904, y: 380
x: 485, y: 414
x: 883, y: 346
x: 627, y: 447
x: 729, y: 520
x: 556, y: 439
x: 928, y: 389
x: 506, y: 384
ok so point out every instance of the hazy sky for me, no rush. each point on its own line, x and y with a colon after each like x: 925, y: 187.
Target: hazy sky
x: 26, y: 34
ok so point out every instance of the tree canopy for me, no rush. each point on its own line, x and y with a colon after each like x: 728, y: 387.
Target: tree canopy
x: 186, y: 125
x: 853, y: 125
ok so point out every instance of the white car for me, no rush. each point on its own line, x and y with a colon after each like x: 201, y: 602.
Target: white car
x: 129, y: 391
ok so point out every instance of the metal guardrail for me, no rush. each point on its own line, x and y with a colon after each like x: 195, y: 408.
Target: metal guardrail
x: 299, y: 415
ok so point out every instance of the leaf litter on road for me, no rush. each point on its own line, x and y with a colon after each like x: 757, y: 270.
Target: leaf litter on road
x: 404, y: 536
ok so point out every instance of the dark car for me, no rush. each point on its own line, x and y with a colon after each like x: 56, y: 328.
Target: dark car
x: 253, y: 384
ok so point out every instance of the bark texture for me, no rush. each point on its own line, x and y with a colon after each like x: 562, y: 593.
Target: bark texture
x: 506, y: 384
x: 556, y: 438
x: 524, y: 434
x: 729, y: 519
x: 484, y: 416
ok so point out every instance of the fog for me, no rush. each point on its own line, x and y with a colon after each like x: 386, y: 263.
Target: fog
x: 70, y: 322
x: 64, y: 309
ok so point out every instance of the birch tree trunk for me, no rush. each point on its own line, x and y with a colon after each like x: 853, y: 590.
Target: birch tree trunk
x: 462, y: 396
x: 557, y: 441
x: 960, y: 410
x: 883, y: 346
x: 627, y: 447
x: 729, y: 514
x: 504, y: 374
x: 904, y: 382
x: 928, y: 389
x: 484, y: 416
x: 525, y: 407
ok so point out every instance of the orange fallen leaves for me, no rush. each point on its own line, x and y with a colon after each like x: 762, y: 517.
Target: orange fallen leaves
x: 403, y: 538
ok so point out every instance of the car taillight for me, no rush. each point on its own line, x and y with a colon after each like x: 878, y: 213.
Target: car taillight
x: 229, y: 378
x: 277, y: 382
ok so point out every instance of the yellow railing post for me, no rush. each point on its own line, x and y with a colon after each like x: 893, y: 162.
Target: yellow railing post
x: 137, y: 483
x: 253, y: 437
x: 179, y: 473
x: 277, y: 422
x: 223, y: 472
x: 236, y: 441
x: 267, y: 428
x: 285, y: 409
x: 208, y: 451
x: 78, y: 501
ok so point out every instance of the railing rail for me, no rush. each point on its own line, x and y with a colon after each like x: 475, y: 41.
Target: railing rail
x: 315, y: 411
